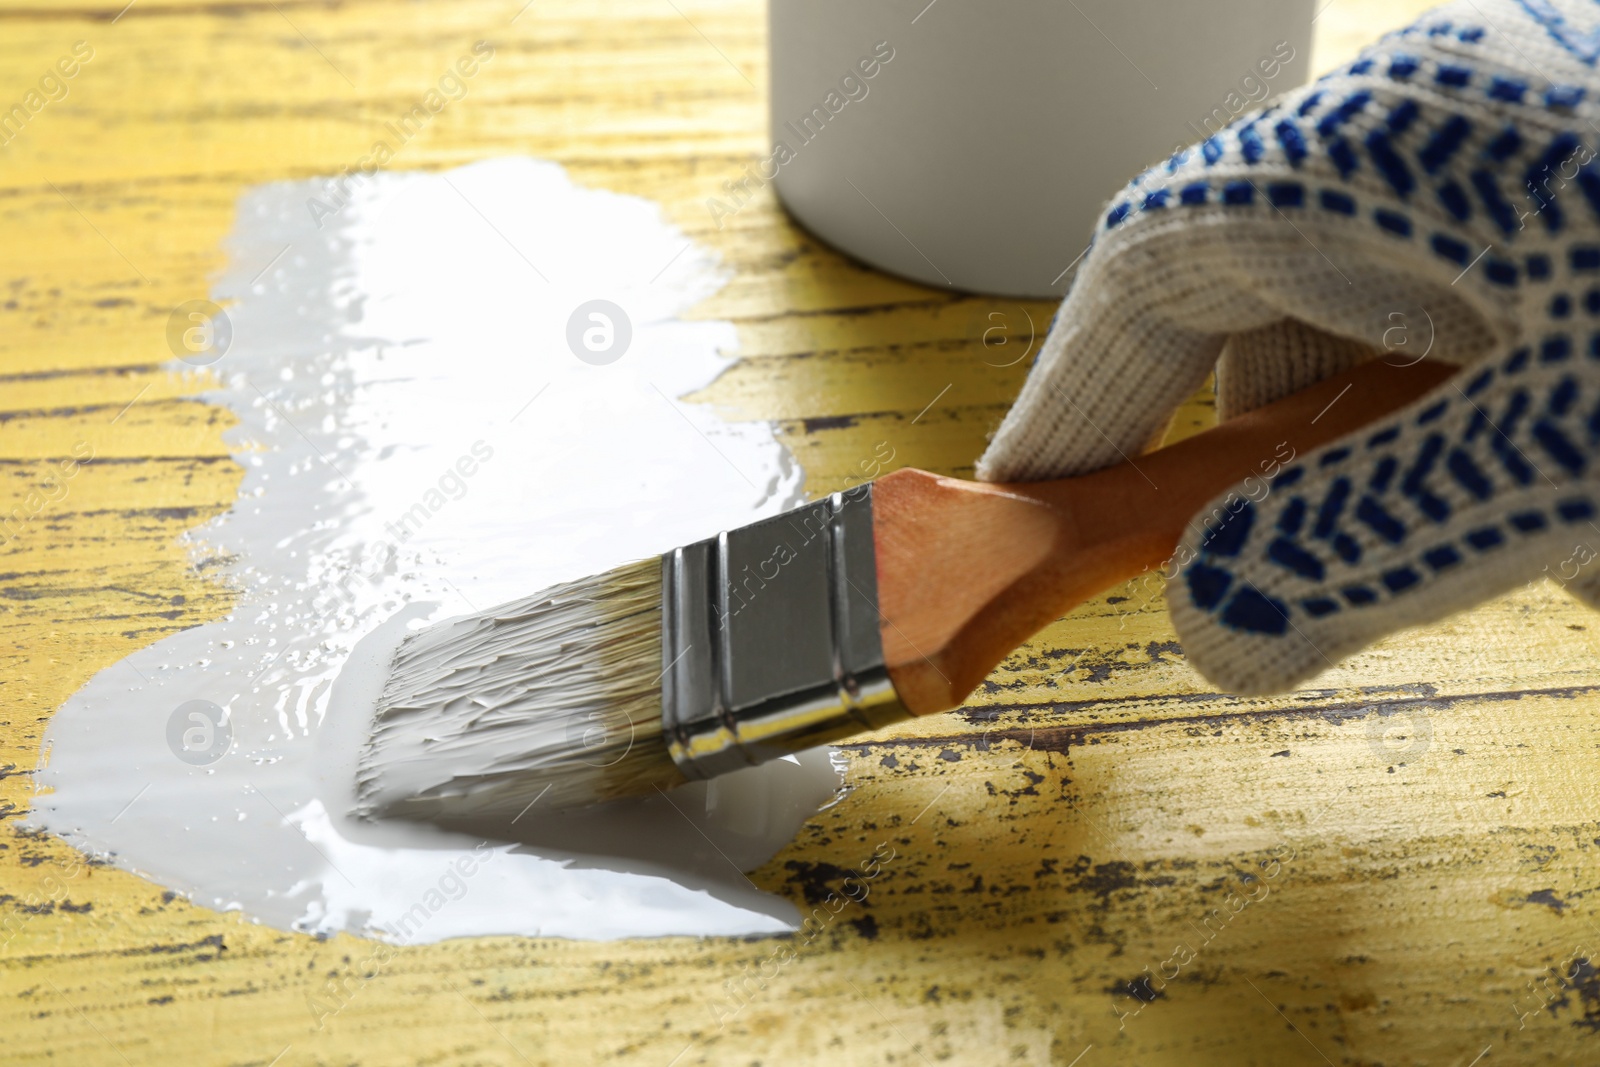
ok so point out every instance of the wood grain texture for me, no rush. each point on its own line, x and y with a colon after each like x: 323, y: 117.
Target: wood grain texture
x: 1420, y: 828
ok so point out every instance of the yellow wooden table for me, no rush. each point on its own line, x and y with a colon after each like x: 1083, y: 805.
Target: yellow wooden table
x: 1422, y: 824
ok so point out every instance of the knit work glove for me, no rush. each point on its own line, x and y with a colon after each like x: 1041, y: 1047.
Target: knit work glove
x: 1444, y: 184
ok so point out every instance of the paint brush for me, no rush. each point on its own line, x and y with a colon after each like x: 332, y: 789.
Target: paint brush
x: 891, y: 600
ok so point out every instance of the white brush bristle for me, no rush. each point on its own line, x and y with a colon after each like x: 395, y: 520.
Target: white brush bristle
x: 554, y: 699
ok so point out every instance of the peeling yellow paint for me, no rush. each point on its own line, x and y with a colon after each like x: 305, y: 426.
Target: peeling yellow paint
x: 1409, y: 848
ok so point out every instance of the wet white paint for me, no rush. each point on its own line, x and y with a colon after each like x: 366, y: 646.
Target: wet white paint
x: 419, y: 441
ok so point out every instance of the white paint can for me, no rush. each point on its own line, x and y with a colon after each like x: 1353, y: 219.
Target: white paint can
x: 971, y: 145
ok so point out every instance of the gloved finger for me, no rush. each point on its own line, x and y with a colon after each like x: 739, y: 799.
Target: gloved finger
x: 1435, y: 177
x: 1467, y: 494
x: 1111, y: 371
x: 1260, y: 366
x: 1147, y: 320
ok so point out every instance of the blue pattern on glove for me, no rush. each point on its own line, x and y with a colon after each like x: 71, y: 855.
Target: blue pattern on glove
x: 1412, y: 153
x: 1462, y: 459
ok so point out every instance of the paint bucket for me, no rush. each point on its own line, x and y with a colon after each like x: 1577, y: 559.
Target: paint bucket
x: 971, y: 145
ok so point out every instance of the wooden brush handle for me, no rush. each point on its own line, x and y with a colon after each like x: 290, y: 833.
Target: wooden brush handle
x: 968, y: 571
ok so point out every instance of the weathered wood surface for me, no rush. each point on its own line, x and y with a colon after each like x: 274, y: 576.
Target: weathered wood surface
x: 1422, y: 827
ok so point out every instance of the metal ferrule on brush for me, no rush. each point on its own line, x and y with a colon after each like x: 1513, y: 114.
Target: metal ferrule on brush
x: 770, y: 637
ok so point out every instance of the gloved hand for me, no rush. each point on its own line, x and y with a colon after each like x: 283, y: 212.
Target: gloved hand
x: 1445, y: 183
